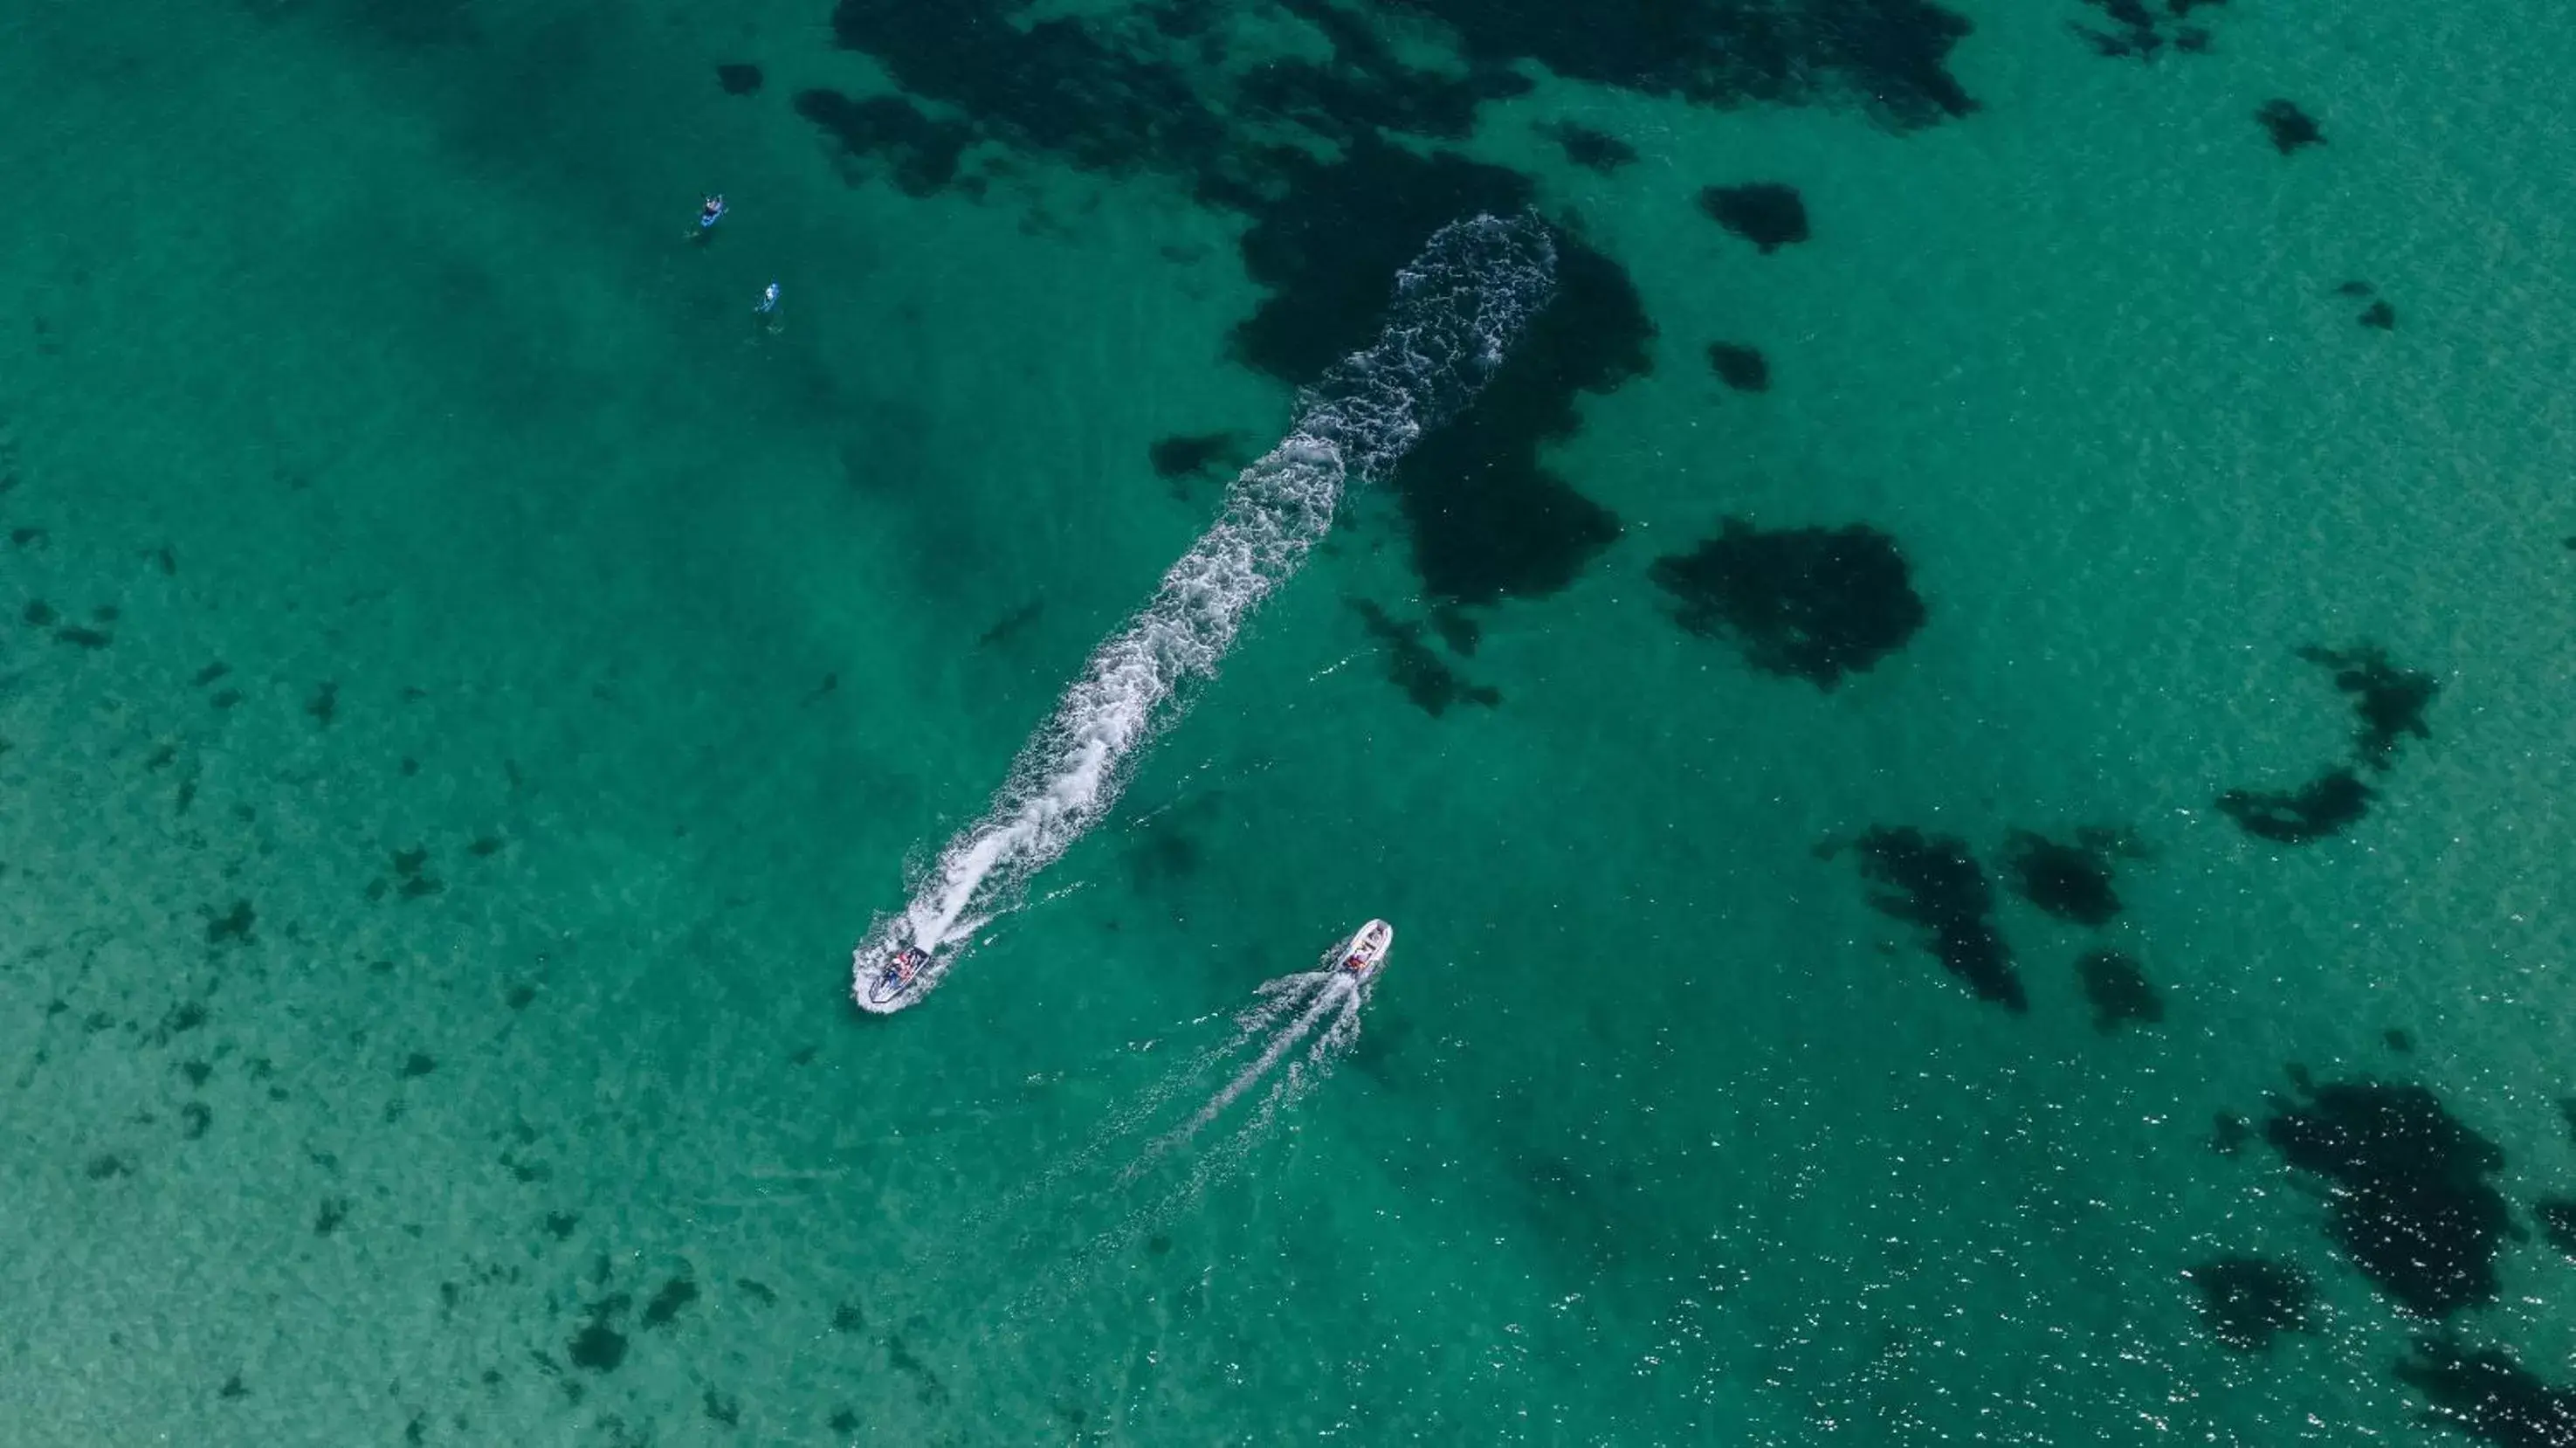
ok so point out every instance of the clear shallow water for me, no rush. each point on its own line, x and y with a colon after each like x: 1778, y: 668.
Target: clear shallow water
x: 358, y: 350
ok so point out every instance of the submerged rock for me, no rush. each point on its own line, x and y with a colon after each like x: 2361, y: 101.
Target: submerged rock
x: 2290, y: 128
x: 2118, y: 990
x: 2415, y: 1207
x: 1590, y: 149
x: 2071, y: 882
x: 2390, y: 701
x: 1765, y: 213
x: 1185, y: 456
x: 2486, y: 1394
x: 2245, y: 1302
x: 2326, y: 805
x: 1426, y: 678
x: 1743, y: 368
x: 1932, y: 882
x: 1807, y: 603
x: 599, y: 1346
x: 2558, y: 1224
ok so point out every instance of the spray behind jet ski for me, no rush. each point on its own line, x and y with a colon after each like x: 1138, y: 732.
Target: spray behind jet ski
x: 1456, y: 309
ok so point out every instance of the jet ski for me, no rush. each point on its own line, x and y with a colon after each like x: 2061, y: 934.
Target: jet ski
x: 904, y: 965
x: 1364, y: 953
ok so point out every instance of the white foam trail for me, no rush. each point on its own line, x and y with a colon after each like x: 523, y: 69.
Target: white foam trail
x: 1337, y: 998
x: 1318, y: 1011
x: 1455, y: 310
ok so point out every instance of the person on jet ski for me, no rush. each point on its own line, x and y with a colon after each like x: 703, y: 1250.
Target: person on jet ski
x: 907, y: 962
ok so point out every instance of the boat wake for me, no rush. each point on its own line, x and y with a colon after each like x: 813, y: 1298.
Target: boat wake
x: 1196, y: 1127
x: 1282, y: 1047
x: 1455, y: 311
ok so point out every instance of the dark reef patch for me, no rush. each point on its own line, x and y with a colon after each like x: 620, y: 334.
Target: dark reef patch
x: 1765, y: 213
x: 1886, y: 56
x: 2486, y: 1394
x: 2379, y: 315
x: 2391, y: 701
x: 1300, y: 149
x: 1932, y: 882
x: 1743, y: 368
x: 2329, y: 804
x: 1803, y: 603
x: 2138, y: 32
x: 1456, y: 629
x: 2072, y: 882
x: 1100, y: 98
x: 2245, y: 1302
x: 1150, y: 88
x: 599, y: 1346
x: 1590, y: 149
x: 739, y: 78
x: 2118, y: 991
x: 234, y: 926
x: 1186, y: 458
x: 674, y: 1296
x: 1485, y: 519
x: 918, y: 153
x: 2558, y: 1224
x: 1424, y: 676
x: 1183, y: 454
x: 2228, y: 1133
x: 2414, y: 1207
x: 411, y: 877
x: 2290, y: 128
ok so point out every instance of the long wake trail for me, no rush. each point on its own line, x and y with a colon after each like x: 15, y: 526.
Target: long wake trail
x: 1192, y: 1130
x: 1334, y: 999
x: 1455, y: 311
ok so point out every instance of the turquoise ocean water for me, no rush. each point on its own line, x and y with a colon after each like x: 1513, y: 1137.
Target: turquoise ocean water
x: 466, y: 682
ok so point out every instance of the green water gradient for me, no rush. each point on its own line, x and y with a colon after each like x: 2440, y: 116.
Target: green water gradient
x: 593, y: 658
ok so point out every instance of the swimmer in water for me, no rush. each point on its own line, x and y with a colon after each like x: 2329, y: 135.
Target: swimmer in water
x: 769, y: 308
